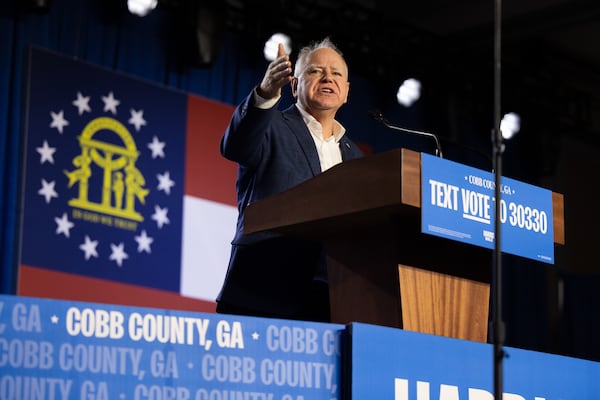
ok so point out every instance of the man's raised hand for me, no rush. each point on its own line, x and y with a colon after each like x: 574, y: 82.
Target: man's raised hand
x: 278, y: 74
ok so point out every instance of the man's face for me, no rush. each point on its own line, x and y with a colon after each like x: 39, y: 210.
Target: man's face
x: 322, y: 84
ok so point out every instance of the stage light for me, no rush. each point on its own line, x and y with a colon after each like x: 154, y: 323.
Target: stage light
x: 510, y: 125
x: 35, y: 6
x: 271, y: 45
x: 409, y: 92
x: 141, y: 8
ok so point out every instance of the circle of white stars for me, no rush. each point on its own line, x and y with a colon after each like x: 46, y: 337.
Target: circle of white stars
x: 48, y: 190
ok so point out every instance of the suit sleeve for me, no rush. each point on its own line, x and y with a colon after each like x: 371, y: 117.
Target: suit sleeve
x: 246, y: 136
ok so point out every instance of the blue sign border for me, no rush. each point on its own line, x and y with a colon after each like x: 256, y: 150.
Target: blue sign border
x: 457, y: 203
x: 390, y: 363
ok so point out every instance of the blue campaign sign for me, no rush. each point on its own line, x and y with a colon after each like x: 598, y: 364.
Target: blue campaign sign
x: 51, y: 349
x: 458, y: 203
x: 394, y: 364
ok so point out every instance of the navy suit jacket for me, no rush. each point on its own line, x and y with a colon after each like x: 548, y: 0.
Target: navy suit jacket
x: 274, y: 151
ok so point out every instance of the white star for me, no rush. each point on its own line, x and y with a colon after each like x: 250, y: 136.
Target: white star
x: 164, y: 182
x: 255, y: 335
x: 63, y: 225
x: 110, y: 103
x: 82, y: 103
x: 157, y: 148
x: 137, y: 119
x: 54, y: 319
x: 46, y: 153
x: 47, y: 190
x: 118, y: 253
x: 160, y: 216
x: 58, y: 121
x: 89, y: 247
x: 144, y: 241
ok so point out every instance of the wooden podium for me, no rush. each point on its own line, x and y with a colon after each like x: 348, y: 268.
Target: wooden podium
x: 382, y: 269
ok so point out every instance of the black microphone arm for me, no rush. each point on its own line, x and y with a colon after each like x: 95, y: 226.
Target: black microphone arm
x: 378, y: 116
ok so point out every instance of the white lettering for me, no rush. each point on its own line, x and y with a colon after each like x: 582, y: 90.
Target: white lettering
x: 295, y: 373
x: 156, y: 392
x: 99, y: 359
x: 230, y: 335
x: 292, y: 339
x: 30, y: 387
x: 444, y: 195
x: 98, y: 323
x: 231, y: 369
x: 216, y: 394
x: 476, y: 206
x: 26, y: 320
x: 28, y: 354
x: 446, y: 392
x: 168, y: 329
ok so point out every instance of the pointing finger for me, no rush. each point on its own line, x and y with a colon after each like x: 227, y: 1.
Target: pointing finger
x: 280, y: 50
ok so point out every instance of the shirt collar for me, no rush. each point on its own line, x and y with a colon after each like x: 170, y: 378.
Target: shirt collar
x: 314, y: 126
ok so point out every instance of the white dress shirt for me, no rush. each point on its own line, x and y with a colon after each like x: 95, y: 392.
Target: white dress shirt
x: 328, y: 149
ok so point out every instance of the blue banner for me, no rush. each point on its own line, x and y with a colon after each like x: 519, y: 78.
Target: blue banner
x: 393, y: 364
x: 51, y: 349
x: 458, y: 203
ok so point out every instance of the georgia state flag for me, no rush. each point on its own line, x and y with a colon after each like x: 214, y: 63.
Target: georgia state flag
x: 125, y: 197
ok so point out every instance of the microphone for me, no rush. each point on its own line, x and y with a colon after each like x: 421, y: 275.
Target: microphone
x: 378, y: 116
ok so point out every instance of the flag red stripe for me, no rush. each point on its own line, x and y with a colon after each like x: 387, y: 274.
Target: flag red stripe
x: 207, y: 174
x: 41, y: 282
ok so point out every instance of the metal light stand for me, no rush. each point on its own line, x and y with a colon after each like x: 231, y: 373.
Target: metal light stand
x: 498, y: 330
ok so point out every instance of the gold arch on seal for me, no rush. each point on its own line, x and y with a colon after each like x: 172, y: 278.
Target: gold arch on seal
x: 122, y: 182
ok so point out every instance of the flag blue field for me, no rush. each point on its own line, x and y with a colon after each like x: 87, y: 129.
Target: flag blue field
x: 105, y: 185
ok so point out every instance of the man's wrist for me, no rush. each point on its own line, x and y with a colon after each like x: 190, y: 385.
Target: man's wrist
x: 263, y: 103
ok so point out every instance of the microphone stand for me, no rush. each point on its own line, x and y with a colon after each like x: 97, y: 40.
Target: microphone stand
x: 498, y: 329
x: 378, y: 116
